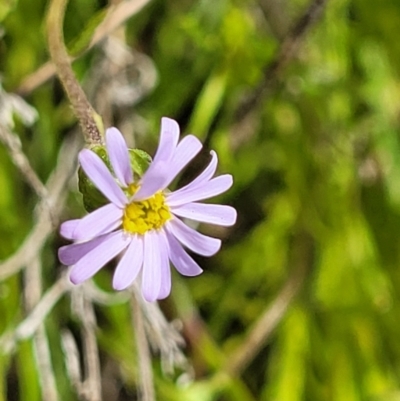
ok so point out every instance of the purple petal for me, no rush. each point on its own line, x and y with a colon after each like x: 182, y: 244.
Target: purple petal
x: 68, y: 227
x: 151, y: 275
x: 71, y: 254
x: 202, y: 191
x: 215, y: 214
x: 180, y: 258
x: 208, y: 172
x: 94, y: 260
x: 99, y: 174
x: 206, y: 175
x: 153, y: 181
x: 130, y: 264
x: 165, y: 288
x: 169, y: 137
x: 155, y: 177
x: 119, y: 156
x: 198, y: 243
x: 101, y: 221
x: 185, y: 152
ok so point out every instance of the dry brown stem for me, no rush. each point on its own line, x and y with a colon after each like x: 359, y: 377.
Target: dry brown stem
x: 146, y: 382
x: 44, y: 226
x: 259, y: 333
x: 14, y: 147
x: 245, y: 116
x: 117, y: 15
x: 33, y: 293
x: 28, y: 327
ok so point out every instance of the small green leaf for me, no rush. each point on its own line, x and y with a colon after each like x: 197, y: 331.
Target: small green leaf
x: 82, y: 42
x: 140, y: 161
x: 5, y: 7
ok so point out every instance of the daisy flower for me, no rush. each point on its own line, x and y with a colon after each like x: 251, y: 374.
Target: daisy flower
x: 143, y: 220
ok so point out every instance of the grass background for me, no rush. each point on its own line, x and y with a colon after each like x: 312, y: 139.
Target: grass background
x: 316, y: 164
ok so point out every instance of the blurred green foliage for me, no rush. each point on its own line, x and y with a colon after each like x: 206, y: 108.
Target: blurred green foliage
x: 321, y: 159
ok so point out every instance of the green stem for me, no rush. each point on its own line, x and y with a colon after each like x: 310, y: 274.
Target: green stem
x: 89, y: 120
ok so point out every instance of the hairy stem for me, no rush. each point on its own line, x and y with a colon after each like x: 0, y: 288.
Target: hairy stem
x: 89, y: 120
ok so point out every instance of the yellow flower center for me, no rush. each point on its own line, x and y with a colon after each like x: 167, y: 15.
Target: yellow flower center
x: 146, y: 215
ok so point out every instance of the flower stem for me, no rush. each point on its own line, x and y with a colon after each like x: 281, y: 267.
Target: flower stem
x: 89, y: 120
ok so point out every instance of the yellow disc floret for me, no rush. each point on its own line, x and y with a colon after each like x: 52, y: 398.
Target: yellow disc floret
x: 146, y: 215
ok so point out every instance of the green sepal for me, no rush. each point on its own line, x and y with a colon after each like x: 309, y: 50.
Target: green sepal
x: 91, y: 196
x: 140, y: 161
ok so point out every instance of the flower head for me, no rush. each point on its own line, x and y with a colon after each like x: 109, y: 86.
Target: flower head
x: 143, y: 219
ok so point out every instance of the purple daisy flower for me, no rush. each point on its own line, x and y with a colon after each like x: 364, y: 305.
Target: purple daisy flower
x: 143, y: 217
